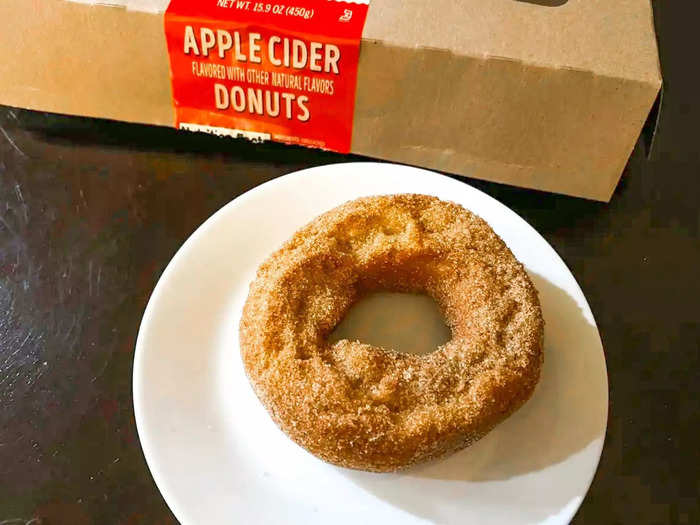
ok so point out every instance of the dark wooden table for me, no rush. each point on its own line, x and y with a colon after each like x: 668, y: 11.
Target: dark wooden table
x: 92, y: 211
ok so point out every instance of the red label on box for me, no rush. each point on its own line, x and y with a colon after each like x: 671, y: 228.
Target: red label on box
x: 283, y: 71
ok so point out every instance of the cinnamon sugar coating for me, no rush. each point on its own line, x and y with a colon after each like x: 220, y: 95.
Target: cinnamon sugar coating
x: 373, y: 408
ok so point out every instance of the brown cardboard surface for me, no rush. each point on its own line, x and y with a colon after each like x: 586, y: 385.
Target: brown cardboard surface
x: 96, y: 61
x: 559, y: 130
x: 606, y: 37
x: 545, y: 97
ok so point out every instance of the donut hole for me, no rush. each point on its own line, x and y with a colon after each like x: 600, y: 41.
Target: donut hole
x: 409, y: 323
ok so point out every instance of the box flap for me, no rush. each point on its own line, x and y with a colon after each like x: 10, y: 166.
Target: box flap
x: 651, y: 127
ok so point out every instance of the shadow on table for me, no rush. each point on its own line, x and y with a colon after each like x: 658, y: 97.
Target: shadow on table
x: 565, y: 415
x: 51, y: 128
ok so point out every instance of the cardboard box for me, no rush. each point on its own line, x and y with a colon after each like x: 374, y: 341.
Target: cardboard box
x: 546, y: 94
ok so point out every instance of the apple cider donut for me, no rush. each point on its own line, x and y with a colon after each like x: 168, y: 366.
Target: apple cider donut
x: 370, y: 408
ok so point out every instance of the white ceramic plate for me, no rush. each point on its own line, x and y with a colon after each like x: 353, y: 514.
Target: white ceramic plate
x: 218, y: 458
